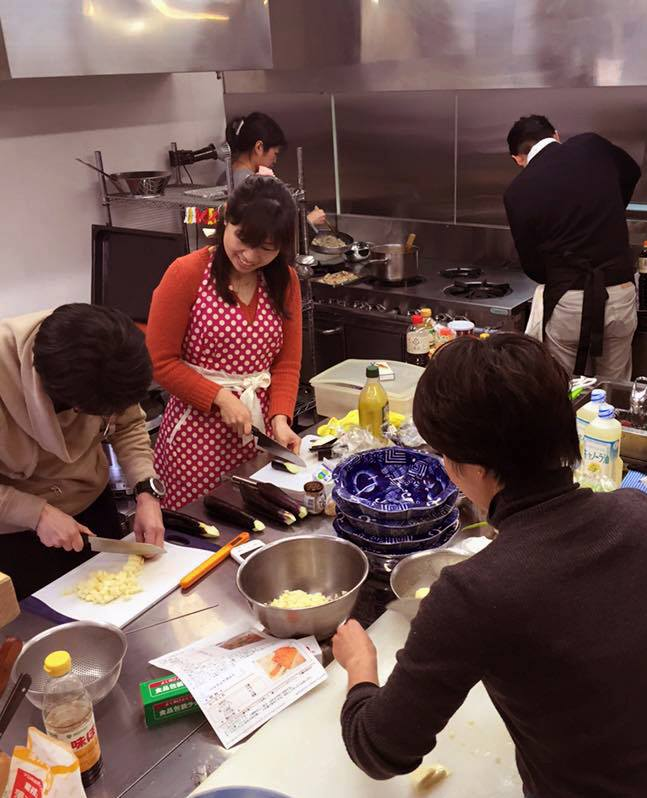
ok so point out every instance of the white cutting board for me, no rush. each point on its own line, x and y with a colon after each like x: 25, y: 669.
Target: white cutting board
x: 301, y: 753
x: 293, y: 482
x: 158, y: 578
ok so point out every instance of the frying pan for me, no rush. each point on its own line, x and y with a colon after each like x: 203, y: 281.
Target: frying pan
x: 144, y: 184
x: 348, y: 240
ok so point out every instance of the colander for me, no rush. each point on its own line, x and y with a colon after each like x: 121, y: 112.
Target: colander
x: 97, y: 651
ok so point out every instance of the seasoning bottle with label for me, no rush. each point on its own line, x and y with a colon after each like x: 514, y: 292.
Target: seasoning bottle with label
x: 642, y: 277
x: 373, y: 404
x: 417, y: 342
x: 68, y: 714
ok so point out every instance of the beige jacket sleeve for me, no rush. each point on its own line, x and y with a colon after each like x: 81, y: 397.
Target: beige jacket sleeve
x: 132, y: 445
x: 20, y: 509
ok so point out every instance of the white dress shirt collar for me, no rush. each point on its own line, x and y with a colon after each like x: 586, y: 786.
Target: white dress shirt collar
x: 539, y: 146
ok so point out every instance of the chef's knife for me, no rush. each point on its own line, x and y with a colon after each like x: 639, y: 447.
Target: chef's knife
x: 124, y: 547
x: 275, y: 449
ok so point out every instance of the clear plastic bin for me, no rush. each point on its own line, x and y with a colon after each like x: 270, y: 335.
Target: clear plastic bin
x: 337, y: 389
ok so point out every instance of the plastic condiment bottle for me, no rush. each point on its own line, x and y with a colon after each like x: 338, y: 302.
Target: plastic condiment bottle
x: 417, y: 341
x: 373, y: 404
x: 588, y: 413
x: 601, y: 454
x: 68, y: 714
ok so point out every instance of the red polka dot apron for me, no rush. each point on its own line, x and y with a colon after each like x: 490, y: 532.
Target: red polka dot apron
x: 194, y: 449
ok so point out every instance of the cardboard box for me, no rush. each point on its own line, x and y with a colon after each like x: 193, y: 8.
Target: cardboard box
x: 164, y: 699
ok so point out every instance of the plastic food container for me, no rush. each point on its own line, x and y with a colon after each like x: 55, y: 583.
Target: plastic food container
x: 337, y: 389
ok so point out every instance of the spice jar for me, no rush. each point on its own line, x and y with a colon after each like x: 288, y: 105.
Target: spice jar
x: 314, y: 498
x: 461, y: 327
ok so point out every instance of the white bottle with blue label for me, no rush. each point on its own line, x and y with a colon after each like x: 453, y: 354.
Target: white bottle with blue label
x: 588, y: 413
x: 601, y: 457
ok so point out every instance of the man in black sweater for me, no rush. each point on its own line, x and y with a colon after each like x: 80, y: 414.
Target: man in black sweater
x: 550, y: 616
x: 566, y: 211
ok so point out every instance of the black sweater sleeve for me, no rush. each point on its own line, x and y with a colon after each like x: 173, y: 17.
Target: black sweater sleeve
x: 628, y: 170
x: 388, y: 730
x: 523, y: 233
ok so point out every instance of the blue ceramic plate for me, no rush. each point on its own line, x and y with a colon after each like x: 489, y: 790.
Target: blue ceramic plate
x: 395, y: 527
x: 393, y: 483
x: 396, y: 545
x: 242, y: 792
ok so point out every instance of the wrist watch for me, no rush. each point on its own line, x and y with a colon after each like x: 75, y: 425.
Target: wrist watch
x: 152, y: 485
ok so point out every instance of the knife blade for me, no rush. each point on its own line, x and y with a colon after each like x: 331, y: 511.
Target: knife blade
x: 124, y: 547
x: 275, y: 449
x: 13, y: 702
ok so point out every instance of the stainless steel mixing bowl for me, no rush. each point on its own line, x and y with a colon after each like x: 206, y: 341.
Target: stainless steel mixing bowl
x: 315, y: 564
x: 97, y: 651
x: 421, y: 570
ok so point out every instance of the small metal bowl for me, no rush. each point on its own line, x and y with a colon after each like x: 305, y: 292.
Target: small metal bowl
x: 421, y: 570
x: 313, y: 563
x: 142, y: 184
x: 97, y: 651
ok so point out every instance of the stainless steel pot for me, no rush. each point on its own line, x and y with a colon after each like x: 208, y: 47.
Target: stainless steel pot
x: 392, y: 263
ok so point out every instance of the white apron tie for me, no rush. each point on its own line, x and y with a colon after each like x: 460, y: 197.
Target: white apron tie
x: 245, y: 384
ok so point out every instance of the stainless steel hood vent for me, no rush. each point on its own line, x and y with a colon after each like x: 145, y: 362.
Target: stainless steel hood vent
x: 52, y: 38
x: 348, y: 46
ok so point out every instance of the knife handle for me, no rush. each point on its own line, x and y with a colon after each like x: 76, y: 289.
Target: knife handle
x: 9, y: 652
x: 208, y: 565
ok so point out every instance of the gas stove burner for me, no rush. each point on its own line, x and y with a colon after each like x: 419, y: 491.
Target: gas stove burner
x: 477, y: 289
x: 400, y: 283
x: 461, y: 272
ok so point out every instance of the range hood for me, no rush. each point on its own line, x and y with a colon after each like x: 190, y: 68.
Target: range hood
x: 348, y: 46
x: 52, y: 38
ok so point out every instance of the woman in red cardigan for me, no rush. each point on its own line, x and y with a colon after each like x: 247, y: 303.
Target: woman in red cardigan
x: 224, y: 333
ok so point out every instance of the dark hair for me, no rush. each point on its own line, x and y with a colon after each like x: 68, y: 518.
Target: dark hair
x: 265, y: 211
x: 502, y: 403
x: 526, y: 132
x: 92, y: 358
x: 244, y: 131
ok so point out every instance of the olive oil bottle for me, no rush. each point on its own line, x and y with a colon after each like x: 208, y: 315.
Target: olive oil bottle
x: 373, y: 405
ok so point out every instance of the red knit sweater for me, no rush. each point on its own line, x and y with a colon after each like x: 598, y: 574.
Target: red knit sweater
x: 168, y: 321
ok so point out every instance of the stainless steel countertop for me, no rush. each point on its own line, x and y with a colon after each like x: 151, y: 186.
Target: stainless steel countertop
x: 160, y: 762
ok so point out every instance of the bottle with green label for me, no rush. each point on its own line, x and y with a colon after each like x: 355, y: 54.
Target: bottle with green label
x: 373, y: 404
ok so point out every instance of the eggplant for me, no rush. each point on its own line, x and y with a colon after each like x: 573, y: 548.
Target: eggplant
x: 275, y: 495
x: 220, y: 508
x: 254, y: 500
x: 190, y: 526
x: 289, y: 468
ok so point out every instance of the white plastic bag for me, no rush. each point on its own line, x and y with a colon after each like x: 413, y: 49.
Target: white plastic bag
x: 44, y: 768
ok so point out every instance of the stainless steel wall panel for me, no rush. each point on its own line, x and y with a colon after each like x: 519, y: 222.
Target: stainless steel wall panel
x: 448, y: 242
x: 386, y: 45
x: 396, y: 154
x: 485, y: 168
x: 103, y: 37
x: 306, y: 122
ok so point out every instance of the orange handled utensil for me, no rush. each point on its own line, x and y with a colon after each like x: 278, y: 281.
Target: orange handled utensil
x: 208, y: 565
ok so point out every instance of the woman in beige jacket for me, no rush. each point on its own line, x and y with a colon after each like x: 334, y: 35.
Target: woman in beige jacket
x: 69, y: 379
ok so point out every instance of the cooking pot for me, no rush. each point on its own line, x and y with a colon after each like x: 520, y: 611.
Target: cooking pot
x: 359, y: 251
x: 392, y: 263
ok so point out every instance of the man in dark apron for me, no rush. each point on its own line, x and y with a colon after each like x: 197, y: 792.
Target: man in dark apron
x: 566, y: 211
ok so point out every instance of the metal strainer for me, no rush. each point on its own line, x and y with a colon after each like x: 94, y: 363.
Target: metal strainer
x: 97, y: 651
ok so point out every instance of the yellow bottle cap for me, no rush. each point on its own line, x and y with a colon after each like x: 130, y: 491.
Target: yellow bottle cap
x: 425, y: 312
x: 484, y: 336
x: 58, y: 663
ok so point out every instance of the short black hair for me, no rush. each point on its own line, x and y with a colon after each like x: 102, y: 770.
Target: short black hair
x: 243, y: 132
x: 92, y: 358
x: 527, y: 131
x: 265, y: 211
x: 502, y: 403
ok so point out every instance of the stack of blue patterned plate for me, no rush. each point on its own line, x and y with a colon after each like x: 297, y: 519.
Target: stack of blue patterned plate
x: 395, y: 501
